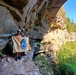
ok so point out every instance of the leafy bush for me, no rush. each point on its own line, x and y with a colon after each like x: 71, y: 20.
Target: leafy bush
x: 71, y: 26
x: 43, y: 65
x: 67, y: 58
x: 66, y: 69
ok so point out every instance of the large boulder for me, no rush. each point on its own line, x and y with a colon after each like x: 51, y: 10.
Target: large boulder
x: 25, y: 66
x: 7, y: 26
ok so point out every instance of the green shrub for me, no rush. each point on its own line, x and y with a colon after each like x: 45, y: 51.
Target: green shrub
x: 43, y: 65
x: 71, y: 26
x: 67, y: 58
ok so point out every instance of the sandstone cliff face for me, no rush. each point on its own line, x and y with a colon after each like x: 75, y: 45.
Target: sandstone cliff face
x: 59, y: 21
x: 33, y: 15
x: 54, y: 40
x: 57, y: 34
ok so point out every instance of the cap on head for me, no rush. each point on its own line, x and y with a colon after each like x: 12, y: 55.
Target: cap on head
x: 19, y: 30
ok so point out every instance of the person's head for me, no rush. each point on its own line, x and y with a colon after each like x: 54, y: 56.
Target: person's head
x: 23, y: 30
x: 19, y: 31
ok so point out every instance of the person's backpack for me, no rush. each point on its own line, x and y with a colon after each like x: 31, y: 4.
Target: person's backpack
x: 9, y: 47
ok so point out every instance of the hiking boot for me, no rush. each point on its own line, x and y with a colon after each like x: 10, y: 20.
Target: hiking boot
x: 19, y: 57
x: 23, y: 54
x: 16, y: 58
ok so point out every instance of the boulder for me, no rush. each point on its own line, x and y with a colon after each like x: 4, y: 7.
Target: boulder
x: 25, y: 66
x: 8, y: 26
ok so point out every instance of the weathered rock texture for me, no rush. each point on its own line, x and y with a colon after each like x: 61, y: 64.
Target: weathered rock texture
x: 7, y: 26
x: 57, y: 34
x: 54, y: 40
x: 25, y: 66
x: 59, y: 21
x: 72, y: 36
x: 33, y: 15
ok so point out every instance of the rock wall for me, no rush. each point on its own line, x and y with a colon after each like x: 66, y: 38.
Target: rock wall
x: 59, y: 21
x: 7, y: 26
x: 55, y: 39
x: 72, y: 36
x: 33, y: 15
x: 25, y: 66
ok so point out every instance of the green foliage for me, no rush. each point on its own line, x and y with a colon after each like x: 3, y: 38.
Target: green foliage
x: 71, y: 26
x: 66, y: 70
x: 67, y: 58
x: 42, y: 64
x: 56, y: 69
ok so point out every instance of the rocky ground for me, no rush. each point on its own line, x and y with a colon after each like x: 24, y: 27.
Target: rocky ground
x: 25, y: 66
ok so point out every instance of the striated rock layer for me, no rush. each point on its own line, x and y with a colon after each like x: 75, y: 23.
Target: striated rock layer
x: 33, y: 15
